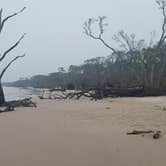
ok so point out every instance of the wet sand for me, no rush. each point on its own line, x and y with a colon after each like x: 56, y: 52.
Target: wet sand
x: 84, y: 133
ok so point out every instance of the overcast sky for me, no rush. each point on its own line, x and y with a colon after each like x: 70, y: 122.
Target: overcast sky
x: 55, y: 34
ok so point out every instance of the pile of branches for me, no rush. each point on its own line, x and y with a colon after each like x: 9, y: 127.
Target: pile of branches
x: 93, y: 93
x: 11, y: 105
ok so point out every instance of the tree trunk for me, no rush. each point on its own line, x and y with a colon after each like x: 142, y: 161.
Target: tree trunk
x: 2, y: 96
x: 152, y: 80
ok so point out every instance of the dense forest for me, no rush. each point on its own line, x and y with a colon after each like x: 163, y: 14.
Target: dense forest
x: 134, y: 64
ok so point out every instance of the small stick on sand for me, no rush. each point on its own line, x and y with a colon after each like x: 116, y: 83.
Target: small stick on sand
x: 156, y: 134
x: 137, y: 132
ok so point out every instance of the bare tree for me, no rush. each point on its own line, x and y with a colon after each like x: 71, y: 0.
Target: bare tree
x: 3, y: 21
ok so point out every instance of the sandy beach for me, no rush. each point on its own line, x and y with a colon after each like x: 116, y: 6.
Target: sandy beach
x: 84, y: 133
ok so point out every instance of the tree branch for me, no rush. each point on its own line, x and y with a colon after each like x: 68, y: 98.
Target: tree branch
x: 3, y: 21
x: 12, y: 47
x: 88, y: 31
x: 4, y: 70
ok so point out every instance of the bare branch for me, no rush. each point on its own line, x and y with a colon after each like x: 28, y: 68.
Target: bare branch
x: 12, y: 47
x: 88, y: 31
x: 3, y: 21
x: 4, y: 70
x: 128, y: 42
x: 122, y: 44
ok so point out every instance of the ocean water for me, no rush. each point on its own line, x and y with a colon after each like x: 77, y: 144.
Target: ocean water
x: 12, y: 93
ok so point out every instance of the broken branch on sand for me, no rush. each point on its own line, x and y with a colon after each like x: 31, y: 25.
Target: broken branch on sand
x: 138, y: 132
x: 156, y: 134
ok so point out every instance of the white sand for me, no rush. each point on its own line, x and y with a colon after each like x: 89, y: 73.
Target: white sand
x: 84, y: 133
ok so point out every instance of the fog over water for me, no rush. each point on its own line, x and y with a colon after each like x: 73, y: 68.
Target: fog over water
x: 55, y: 34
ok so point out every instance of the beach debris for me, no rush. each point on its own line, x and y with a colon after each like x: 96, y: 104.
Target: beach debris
x: 11, y: 105
x: 155, y: 134
x: 93, y: 93
x: 7, y: 109
x: 138, y: 132
x: 164, y: 108
x: 27, y: 102
x: 53, y: 94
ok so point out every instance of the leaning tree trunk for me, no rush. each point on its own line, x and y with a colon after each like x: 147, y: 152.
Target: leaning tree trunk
x: 2, y: 96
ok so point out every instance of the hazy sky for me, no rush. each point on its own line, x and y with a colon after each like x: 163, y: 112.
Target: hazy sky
x: 55, y: 34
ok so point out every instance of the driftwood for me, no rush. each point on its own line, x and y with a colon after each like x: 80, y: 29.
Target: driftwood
x: 156, y: 134
x: 138, y: 132
x: 94, y: 93
x: 10, y: 106
x: 100, y: 93
x: 21, y: 103
x: 53, y: 93
x: 7, y: 109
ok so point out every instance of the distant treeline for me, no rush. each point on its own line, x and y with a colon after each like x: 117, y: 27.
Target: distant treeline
x: 145, y: 67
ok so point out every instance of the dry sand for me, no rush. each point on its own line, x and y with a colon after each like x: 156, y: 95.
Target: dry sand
x: 84, y: 133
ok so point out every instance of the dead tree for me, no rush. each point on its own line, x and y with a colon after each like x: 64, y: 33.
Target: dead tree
x: 147, y: 63
x: 3, y: 21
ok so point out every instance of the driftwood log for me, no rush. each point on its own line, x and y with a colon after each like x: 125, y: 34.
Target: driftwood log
x: 7, y: 109
x: 94, y: 93
x: 11, y: 105
x: 138, y: 132
x: 27, y: 102
x: 156, y: 134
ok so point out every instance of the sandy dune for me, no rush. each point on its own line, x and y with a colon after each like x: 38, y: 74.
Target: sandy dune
x: 84, y: 133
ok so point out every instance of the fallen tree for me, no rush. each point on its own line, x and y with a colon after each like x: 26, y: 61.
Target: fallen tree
x: 7, y: 109
x: 27, y: 102
x: 93, y: 93
x: 11, y: 105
